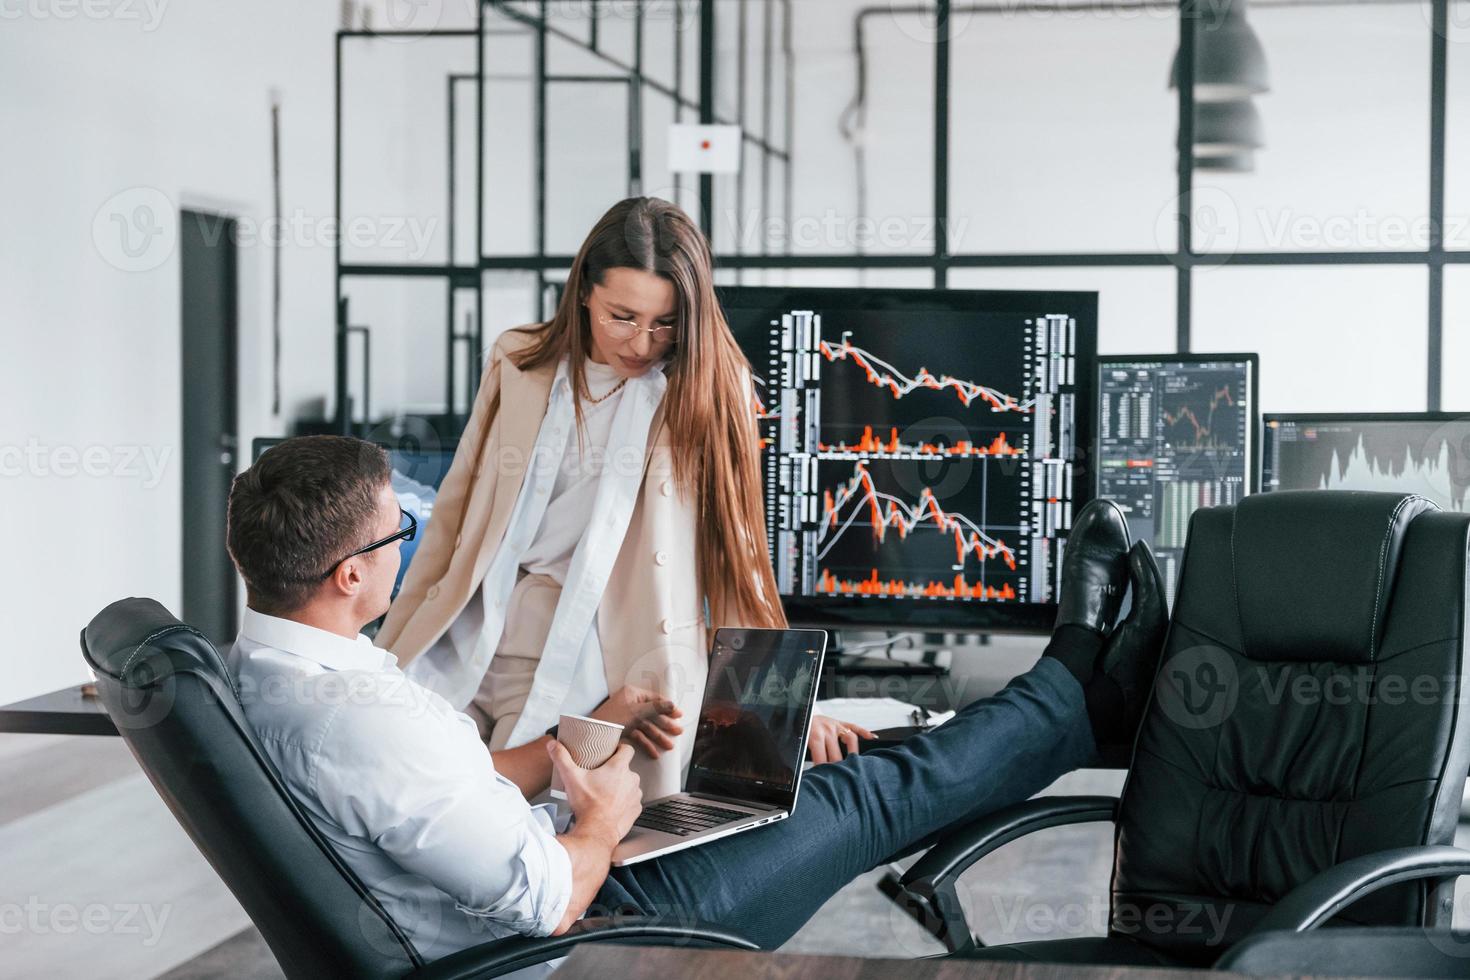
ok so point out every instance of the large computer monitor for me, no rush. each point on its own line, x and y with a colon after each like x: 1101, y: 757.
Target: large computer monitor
x: 920, y: 449
x: 1175, y: 432
x: 417, y: 473
x: 1427, y: 453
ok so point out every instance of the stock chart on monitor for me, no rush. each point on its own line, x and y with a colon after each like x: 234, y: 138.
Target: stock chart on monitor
x: 1175, y: 434
x: 1423, y: 453
x: 918, y: 448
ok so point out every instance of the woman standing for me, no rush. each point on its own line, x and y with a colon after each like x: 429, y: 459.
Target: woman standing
x: 603, y: 513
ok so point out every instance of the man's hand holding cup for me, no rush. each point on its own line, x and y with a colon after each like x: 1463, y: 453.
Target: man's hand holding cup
x: 590, y: 771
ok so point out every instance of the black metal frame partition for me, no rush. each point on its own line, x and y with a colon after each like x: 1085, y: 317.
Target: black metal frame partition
x: 940, y: 261
x: 536, y: 23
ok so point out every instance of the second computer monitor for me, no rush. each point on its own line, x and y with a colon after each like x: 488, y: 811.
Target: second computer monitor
x: 919, y: 449
x: 1175, y: 433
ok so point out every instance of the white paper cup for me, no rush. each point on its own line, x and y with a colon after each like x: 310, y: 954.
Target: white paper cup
x: 588, y: 741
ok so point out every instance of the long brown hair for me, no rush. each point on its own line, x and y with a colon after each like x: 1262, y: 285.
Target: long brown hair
x: 707, y: 405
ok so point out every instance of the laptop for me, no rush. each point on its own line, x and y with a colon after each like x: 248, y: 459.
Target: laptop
x: 746, y: 766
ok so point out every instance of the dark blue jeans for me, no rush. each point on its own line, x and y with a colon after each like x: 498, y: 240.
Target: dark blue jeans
x: 854, y: 815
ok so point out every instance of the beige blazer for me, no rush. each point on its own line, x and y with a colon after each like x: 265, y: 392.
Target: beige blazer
x: 651, y: 619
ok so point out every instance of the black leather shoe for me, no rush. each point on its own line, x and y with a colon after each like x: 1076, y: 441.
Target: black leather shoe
x: 1131, y: 656
x: 1094, y: 568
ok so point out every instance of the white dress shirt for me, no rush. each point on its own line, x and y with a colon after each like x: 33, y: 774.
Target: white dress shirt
x: 401, y: 785
x: 571, y: 676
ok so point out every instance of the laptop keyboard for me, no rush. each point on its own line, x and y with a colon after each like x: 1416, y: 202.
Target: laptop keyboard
x: 684, y: 817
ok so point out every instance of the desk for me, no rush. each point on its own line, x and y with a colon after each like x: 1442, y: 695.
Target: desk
x: 598, y: 961
x: 63, y: 712
x: 66, y: 712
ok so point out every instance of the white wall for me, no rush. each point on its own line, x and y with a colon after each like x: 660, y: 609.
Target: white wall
x: 101, y: 115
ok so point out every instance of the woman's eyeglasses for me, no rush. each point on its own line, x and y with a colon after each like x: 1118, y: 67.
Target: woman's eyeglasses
x: 402, y: 534
x: 627, y: 329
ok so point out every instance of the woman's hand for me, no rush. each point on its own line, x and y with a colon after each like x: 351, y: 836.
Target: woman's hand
x: 829, y: 736
x: 647, y: 719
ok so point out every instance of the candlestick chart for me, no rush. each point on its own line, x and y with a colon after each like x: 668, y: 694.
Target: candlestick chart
x: 919, y: 464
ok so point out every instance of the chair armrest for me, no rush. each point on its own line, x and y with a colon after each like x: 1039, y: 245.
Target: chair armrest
x: 504, y: 956
x: 962, y: 848
x: 1313, y: 902
x: 927, y: 891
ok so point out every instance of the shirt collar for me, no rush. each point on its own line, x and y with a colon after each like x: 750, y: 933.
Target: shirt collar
x: 652, y: 382
x: 328, y: 649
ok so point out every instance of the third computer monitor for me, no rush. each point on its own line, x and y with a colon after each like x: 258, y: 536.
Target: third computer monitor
x: 1175, y: 433
x: 1423, y: 453
x: 919, y: 449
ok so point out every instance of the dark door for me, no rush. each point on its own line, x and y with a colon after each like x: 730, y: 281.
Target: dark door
x: 207, y: 254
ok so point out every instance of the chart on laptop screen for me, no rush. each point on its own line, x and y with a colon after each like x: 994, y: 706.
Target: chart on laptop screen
x: 756, y: 708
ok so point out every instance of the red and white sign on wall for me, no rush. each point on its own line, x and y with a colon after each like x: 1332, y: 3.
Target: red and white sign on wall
x: 695, y: 149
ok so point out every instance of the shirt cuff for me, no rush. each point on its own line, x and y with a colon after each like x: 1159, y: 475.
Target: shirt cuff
x: 559, y: 886
x: 542, y: 889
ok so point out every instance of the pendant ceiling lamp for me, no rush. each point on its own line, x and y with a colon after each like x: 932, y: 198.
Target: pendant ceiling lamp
x: 1229, y: 63
x: 1229, y: 69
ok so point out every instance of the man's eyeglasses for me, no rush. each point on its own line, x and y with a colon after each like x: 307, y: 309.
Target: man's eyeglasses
x: 402, y: 534
x: 627, y: 329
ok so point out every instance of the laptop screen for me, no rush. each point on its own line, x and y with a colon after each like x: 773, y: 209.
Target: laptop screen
x: 756, y: 711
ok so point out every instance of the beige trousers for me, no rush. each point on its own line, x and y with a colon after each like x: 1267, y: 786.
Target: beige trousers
x: 505, y: 687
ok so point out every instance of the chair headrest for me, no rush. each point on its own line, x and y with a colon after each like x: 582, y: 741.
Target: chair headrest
x: 1314, y: 569
x: 136, y: 641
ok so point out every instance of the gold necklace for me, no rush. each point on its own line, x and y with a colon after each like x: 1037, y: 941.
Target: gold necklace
x: 602, y: 398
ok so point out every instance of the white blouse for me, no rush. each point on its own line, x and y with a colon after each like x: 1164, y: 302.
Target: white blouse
x: 570, y: 508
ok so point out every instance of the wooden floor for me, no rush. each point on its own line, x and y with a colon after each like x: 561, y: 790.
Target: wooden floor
x: 98, y: 880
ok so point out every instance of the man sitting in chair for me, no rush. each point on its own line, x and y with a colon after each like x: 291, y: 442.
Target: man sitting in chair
x: 441, y: 829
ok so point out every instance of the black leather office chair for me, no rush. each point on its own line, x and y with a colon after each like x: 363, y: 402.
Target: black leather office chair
x: 166, y: 688
x: 1304, y: 753
x: 1352, y: 953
